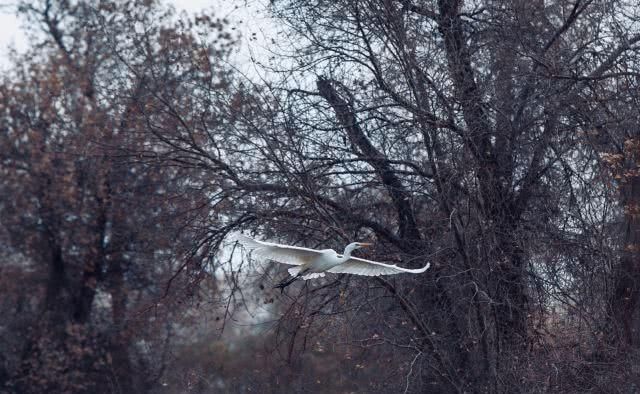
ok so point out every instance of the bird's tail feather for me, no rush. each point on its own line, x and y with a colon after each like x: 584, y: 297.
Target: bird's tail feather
x: 295, y: 272
x: 313, y: 275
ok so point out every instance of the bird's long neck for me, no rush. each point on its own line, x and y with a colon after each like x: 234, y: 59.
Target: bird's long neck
x: 347, y: 252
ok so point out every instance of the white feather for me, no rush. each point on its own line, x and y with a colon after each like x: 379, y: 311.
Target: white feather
x: 313, y: 275
x: 294, y: 271
x: 358, y: 266
x: 285, y: 254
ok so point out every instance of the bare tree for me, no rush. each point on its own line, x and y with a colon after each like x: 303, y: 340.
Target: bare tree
x: 458, y: 132
x: 101, y: 242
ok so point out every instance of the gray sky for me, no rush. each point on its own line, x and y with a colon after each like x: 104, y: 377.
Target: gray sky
x: 10, y: 33
x: 245, y: 14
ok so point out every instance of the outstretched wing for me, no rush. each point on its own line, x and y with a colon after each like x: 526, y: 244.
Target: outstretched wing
x: 359, y: 266
x: 285, y: 254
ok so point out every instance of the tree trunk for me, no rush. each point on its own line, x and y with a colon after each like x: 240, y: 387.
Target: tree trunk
x: 120, y: 340
x: 625, y: 301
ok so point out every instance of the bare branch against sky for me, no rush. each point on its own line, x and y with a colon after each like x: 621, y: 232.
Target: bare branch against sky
x: 247, y: 16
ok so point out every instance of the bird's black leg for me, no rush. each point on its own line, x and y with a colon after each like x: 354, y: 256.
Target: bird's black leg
x: 289, y: 281
x: 285, y: 283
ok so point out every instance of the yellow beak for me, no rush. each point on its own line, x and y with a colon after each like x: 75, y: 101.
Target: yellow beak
x: 365, y: 244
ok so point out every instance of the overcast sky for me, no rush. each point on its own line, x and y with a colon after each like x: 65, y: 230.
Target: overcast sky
x: 235, y: 10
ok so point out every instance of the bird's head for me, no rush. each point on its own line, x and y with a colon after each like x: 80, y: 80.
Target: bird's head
x: 362, y: 245
x: 353, y: 246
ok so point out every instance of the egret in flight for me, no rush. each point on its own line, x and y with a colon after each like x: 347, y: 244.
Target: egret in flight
x: 311, y: 263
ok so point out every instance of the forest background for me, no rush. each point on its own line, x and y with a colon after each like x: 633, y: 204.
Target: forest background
x: 497, y: 140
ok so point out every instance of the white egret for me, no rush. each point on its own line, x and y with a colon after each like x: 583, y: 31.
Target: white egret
x: 311, y: 263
